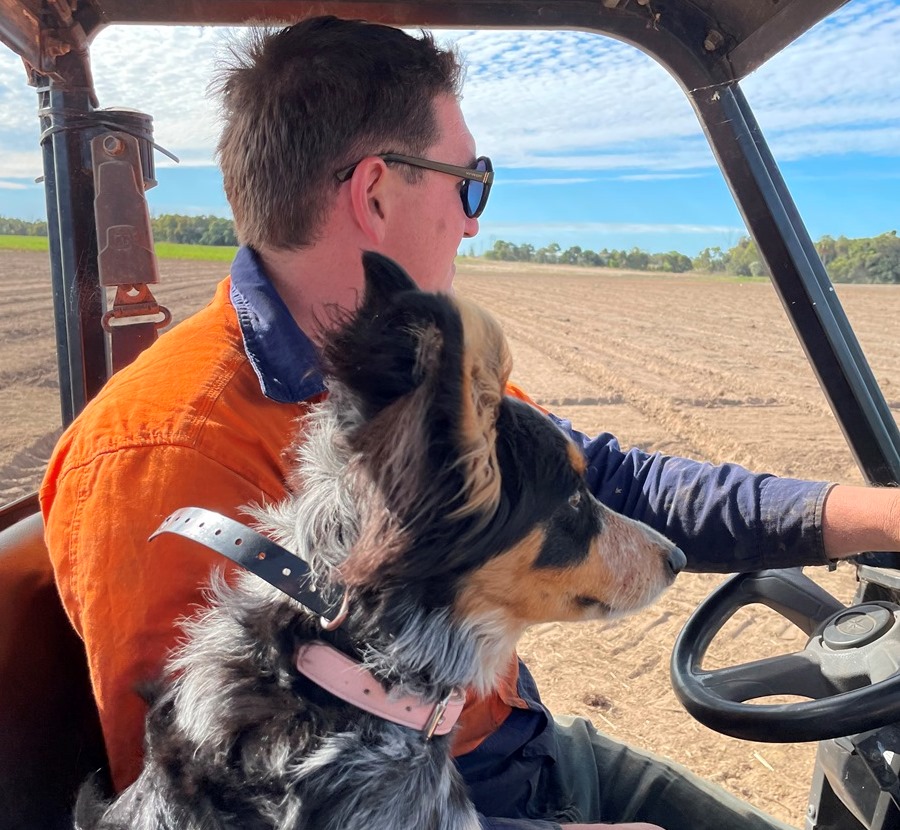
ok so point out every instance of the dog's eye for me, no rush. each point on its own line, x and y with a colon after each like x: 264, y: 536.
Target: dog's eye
x: 575, y: 499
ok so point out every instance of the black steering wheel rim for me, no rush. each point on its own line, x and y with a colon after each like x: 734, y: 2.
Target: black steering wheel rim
x: 809, y: 606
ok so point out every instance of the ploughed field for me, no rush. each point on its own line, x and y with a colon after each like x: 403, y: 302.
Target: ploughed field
x: 690, y: 365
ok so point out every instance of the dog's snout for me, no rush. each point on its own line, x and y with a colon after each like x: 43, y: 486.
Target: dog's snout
x: 676, y: 560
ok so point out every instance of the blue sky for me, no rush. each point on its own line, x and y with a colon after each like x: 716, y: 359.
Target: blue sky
x: 594, y: 143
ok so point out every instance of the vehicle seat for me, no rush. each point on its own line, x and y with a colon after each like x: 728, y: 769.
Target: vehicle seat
x: 50, y: 739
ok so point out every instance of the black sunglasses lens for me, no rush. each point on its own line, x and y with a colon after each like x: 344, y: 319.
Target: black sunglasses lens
x: 475, y: 193
x: 472, y: 193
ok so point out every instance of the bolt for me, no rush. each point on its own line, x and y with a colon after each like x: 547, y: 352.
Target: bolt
x: 714, y: 40
x: 113, y: 145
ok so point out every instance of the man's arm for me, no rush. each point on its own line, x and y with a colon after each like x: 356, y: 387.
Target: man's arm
x: 722, y: 516
x: 858, y: 519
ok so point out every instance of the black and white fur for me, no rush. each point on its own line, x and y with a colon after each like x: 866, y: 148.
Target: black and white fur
x: 454, y: 516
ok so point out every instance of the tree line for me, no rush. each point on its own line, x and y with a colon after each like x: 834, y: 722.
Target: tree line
x: 634, y: 259
x: 168, y: 227
x: 19, y: 227
x: 870, y: 259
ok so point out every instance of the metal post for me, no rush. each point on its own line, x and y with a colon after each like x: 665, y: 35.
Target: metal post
x: 801, y: 281
x: 79, y: 302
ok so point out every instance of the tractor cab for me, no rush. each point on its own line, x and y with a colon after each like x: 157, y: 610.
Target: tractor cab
x: 97, y: 164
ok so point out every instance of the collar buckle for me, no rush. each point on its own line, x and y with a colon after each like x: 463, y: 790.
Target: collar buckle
x: 339, y: 618
x: 436, y: 718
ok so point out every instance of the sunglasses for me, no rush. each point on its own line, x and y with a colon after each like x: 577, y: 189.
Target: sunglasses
x: 474, y: 191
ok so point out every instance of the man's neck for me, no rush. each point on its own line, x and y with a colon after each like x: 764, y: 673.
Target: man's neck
x: 314, y: 282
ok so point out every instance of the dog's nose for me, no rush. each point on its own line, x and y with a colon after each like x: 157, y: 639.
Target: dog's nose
x: 676, y: 561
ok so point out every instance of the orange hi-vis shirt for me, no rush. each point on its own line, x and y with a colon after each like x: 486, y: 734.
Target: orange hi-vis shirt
x: 187, y: 424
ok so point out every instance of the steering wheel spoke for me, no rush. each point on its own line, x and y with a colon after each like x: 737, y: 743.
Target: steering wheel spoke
x: 793, y: 595
x: 798, y: 673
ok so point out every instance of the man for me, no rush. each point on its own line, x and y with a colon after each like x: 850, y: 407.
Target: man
x: 342, y: 137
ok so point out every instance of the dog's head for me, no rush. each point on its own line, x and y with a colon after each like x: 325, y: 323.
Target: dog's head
x: 469, y: 499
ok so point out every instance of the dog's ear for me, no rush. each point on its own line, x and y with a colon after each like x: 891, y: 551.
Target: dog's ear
x: 486, y: 365
x: 427, y: 372
x: 389, y: 345
x: 384, y: 280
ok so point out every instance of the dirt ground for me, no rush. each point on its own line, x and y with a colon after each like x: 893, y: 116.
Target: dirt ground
x: 686, y: 365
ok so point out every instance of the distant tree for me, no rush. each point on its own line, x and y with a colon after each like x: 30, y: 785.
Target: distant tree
x: 744, y: 258
x: 193, y: 230
x: 571, y: 256
x: 827, y: 249
x: 20, y: 227
x: 672, y: 262
x: 548, y: 254
x: 711, y: 259
x: 523, y: 253
x: 501, y: 250
x: 637, y: 259
x: 218, y: 231
x: 873, y: 259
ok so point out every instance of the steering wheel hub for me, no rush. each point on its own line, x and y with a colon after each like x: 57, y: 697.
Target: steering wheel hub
x: 857, y: 626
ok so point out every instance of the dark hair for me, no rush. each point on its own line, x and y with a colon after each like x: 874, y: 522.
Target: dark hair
x: 300, y: 103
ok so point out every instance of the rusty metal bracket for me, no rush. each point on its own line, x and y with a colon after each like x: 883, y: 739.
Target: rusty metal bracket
x: 124, y: 236
x: 133, y: 305
x: 126, y: 260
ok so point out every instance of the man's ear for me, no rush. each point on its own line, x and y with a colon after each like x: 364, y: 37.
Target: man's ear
x: 368, y: 192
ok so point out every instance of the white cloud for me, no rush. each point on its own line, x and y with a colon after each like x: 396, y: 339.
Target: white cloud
x: 164, y: 71
x: 548, y: 100
x: 21, y: 164
x: 12, y: 185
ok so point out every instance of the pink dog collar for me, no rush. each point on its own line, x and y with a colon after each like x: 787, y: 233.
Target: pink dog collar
x: 348, y: 680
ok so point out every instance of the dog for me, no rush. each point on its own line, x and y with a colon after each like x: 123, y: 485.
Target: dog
x: 450, y: 517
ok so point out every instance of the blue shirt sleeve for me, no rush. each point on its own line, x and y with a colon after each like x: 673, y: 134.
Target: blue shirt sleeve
x: 516, y: 824
x: 723, y: 517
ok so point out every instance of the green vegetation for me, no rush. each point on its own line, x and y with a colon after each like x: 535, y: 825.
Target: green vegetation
x: 876, y: 259
x: 208, y: 253
x: 870, y: 260
x: 9, y: 242
x: 170, y: 227
x: 212, y: 238
x: 19, y: 227
x: 164, y: 250
x: 194, y: 230
x: 635, y: 259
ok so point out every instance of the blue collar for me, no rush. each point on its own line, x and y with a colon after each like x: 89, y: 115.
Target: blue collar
x: 284, y: 358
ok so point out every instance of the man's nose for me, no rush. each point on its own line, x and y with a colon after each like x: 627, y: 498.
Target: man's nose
x: 471, y: 228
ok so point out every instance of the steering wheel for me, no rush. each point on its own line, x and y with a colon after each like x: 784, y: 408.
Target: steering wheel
x: 849, y: 667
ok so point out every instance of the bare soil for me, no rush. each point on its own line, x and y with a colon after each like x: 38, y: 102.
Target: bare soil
x: 688, y: 365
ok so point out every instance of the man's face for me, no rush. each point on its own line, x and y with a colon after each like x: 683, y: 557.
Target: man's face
x: 432, y: 223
